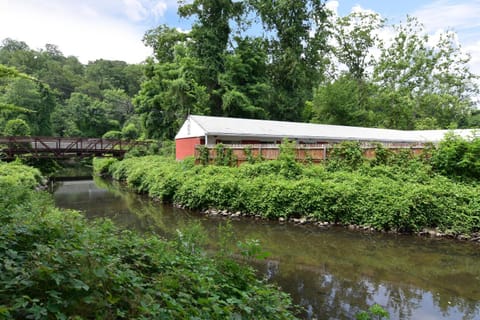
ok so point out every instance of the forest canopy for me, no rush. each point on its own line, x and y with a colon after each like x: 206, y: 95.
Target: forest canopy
x: 280, y: 60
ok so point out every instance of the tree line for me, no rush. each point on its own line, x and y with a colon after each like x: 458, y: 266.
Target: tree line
x: 42, y: 92
x: 280, y: 60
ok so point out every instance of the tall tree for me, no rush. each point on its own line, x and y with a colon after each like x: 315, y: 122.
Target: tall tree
x: 34, y: 96
x: 433, y: 80
x: 356, y: 37
x: 82, y: 116
x: 413, y: 83
x: 344, y: 98
x: 210, y: 35
x: 246, y: 87
x: 340, y: 102
x: 18, y: 54
x: 6, y: 108
x: 297, y: 43
x: 170, y: 90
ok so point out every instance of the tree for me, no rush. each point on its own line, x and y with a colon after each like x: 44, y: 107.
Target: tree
x: 170, y: 90
x: 356, y: 36
x: 296, y: 48
x: 82, y: 116
x: 210, y: 35
x: 163, y: 41
x: 17, y: 54
x: 216, y: 69
x: 34, y: 96
x: 118, y: 105
x: 62, y: 74
x: 107, y: 88
x: 338, y: 102
x: 9, y: 73
x: 433, y: 81
x: 16, y: 127
x: 130, y: 132
x: 246, y: 88
x: 415, y: 83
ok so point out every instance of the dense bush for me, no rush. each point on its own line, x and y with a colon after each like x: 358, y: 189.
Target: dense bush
x: 112, y: 134
x: 16, y: 172
x: 17, y: 127
x: 406, y: 197
x: 130, y: 132
x: 102, y: 165
x: 56, y: 265
x: 458, y: 157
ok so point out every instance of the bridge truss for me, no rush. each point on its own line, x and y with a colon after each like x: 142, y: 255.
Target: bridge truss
x: 60, y: 148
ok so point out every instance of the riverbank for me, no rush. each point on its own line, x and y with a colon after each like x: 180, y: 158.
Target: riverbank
x: 56, y: 264
x: 388, y: 198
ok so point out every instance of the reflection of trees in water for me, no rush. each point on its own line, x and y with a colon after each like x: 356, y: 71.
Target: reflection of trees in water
x: 469, y: 309
x: 446, y: 302
x: 322, y: 295
x: 147, y: 215
x: 335, y: 275
x: 402, y: 300
x: 326, y: 296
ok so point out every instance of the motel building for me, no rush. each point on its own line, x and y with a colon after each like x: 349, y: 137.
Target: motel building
x: 209, y: 131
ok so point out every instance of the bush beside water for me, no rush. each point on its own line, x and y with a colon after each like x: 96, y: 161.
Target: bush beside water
x: 399, y: 193
x: 56, y: 265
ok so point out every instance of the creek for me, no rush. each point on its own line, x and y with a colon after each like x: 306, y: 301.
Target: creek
x: 332, y: 273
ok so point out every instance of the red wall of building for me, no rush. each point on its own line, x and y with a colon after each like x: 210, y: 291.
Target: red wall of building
x: 186, y: 147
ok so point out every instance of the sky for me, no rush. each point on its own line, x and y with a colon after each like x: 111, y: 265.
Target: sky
x: 113, y: 29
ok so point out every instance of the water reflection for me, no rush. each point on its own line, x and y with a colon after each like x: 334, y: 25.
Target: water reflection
x: 332, y: 273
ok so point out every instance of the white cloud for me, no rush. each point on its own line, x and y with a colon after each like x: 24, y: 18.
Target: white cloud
x: 332, y: 6
x: 447, y: 13
x: 160, y: 8
x: 474, y: 50
x: 359, y: 9
x: 459, y: 16
x: 135, y: 10
x: 89, y: 29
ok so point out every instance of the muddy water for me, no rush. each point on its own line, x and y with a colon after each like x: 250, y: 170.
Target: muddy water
x: 332, y: 273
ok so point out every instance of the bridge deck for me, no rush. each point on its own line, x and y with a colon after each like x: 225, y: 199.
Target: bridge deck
x: 55, y: 147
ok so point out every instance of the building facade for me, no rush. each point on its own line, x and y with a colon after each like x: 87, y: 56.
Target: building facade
x: 207, y: 130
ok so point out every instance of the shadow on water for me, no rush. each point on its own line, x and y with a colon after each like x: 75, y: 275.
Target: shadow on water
x: 332, y: 273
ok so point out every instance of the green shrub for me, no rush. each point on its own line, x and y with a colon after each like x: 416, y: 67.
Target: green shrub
x: 112, y: 134
x: 130, y: 132
x: 345, y: 155
x: 289, y: 167
x: 383, y: 155
x: 57, y: 265
x: 203, y: 155
x: 404, y: 198
x: 17, y: 127
x: 224, y: 155
x: 102, y: 165
x: 25, y: 176
x: 457, y: 157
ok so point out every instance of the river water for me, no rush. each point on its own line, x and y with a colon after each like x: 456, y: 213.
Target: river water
x: 333, y: 273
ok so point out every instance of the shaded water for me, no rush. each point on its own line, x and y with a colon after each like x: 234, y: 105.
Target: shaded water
x: 332, y: 273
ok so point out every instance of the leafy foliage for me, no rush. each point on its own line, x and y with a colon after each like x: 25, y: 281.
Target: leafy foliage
x: 16, y: 127
x: 346, y: 155
x: 281, y: 60
x: 415, y: 83
x: 458, y: 157
x: 405, y: 195
x: 224, y: 156
x: 56, y: 265
x: 374, y: 312
x: 58, y: 95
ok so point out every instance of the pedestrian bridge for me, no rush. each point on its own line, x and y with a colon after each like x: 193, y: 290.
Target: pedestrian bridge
x: 60, y: 148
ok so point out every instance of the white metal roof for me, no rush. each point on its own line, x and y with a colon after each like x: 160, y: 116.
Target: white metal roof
x: 196, y: 126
